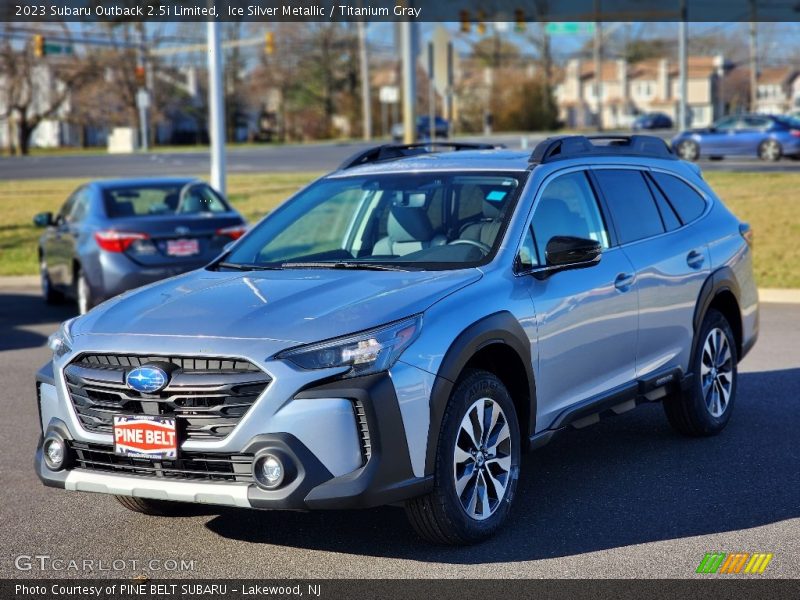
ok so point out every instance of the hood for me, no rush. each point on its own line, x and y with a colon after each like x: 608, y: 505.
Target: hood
x: 297, y: 306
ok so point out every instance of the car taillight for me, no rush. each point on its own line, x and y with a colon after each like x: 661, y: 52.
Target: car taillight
x: 747, y: 233
x: 794, y: 132
x: 234, y: 232
x: 117, y: 241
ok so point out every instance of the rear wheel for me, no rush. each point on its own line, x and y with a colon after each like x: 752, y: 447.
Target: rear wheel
x: 477, y: 465
x: 50, y: 294
x: 705, y: 408
x: 770, y: 150
x: 83, y: 294
x: 688, y: 150
x: 149, y: 506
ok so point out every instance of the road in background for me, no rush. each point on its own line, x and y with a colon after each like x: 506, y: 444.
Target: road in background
x: 267, y: 159
x: 625, y: 498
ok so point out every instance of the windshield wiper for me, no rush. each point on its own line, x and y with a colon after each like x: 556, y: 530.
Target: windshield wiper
x: 366, y: 266
x: 247, y: 267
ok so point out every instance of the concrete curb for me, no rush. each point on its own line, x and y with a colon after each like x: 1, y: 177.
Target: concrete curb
x: 766, y: 295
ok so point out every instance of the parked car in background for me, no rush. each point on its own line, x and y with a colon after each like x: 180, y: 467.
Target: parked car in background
x: 768, y: 137
x: 441, y: 126
x: 115, y: 235
x: 655, y: 120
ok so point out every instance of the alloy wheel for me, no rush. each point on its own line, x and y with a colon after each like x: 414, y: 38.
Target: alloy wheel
x: 770, y: 150
x: 716, y: 372
x: 83, y: 295
x: 482, y: 459
x: 688, y: 151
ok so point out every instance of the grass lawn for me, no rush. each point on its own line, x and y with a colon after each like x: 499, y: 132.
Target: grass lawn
x: 768, y: 201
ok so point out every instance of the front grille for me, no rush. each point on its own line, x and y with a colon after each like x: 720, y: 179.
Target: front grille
x: 189, y: 465
x: 207, y: 396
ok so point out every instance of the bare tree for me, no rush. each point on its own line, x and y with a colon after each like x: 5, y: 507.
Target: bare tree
x: 37, y: 88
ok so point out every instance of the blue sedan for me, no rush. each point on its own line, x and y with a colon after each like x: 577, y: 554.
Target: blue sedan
x: 765, y: 136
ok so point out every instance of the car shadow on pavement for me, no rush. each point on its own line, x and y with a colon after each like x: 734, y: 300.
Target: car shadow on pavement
x: 628, y: 480
x: 21, y: 312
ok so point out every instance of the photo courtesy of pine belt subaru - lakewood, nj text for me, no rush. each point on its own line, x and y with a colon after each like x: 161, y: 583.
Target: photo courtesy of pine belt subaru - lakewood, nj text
x: 402, y: 329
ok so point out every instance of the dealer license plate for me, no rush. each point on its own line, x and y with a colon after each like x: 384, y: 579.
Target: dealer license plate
x: 145, y: 436
x: 183, y: 247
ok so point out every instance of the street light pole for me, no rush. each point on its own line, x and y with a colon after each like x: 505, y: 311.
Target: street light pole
x: 216, y: 104
x: 683, y: 68
x: 409, y: 82
x: 366, y: 100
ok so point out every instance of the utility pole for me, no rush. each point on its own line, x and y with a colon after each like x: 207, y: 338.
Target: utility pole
x: 144, y: 78
x: 683, y: 36
x: 409, y: 65
x: 598, y: 65
x: 216, y: 103
x: 366, y: 100
x: 753, y: 57
x: 431, y: 96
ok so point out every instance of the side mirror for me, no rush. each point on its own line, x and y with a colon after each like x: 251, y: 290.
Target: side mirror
x: 567, y: 251
x: 44, y: 219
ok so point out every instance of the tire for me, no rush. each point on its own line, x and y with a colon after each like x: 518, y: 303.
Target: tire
x: 688, y: 150
x: 50, y: 294
x: 83, y: 294
x: 445, y: 517
x: 770, y: 150
x: 154, y: 508
x: 705, y: 408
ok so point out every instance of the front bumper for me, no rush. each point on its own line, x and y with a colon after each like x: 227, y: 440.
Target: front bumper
x: 386, y: 476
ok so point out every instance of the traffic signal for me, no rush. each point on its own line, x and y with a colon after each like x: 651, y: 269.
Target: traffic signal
x: 269, y: 43
x: 466, y: 25
x: 141, y: 75
x: 481, y: 28
x: 519, y: 17
x: 38, y: 46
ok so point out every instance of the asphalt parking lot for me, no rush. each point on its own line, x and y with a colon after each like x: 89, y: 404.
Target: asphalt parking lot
x: 625, y: 498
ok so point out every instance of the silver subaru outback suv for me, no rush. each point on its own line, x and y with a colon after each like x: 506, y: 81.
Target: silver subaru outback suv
x: 402, y: 329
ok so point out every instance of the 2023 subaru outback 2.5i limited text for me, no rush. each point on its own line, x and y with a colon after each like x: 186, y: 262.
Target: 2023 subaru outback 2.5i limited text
x: 401, y: 330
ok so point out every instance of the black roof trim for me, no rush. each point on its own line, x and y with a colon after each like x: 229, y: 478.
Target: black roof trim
x: 395, y: 151
x: 573, y: 146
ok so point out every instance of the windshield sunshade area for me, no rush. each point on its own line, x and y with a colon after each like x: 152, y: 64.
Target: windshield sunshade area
x: 417, y: 221
x: 162, y: 199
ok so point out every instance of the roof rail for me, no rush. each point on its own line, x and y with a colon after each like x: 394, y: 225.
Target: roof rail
x: 394, y: 151
x: 573, y: 146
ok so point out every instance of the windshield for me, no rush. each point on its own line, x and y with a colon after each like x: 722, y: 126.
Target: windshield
x: 428, y: 220
x: 162, y: 199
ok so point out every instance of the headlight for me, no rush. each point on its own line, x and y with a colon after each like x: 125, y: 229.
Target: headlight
x: 365, y: 353
x: 60, y: 343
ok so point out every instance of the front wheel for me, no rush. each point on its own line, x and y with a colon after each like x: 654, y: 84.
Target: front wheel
x: 705, y: 408
x: 477, y: 465
x: 49, y: 293
x: 152, y: 507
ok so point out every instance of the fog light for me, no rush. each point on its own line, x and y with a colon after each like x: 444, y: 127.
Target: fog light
x: 54, y: 453
x: 269, y: 471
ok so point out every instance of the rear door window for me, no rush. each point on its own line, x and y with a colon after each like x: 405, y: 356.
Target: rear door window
x: 687, y: 202
x: 632, y: 206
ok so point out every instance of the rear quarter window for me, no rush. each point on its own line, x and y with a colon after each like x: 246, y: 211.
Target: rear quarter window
x: 632, y: 206
x: 684, y: 198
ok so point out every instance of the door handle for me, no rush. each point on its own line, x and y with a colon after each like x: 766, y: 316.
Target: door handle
x: 695, y: 259
x: 623, y: 281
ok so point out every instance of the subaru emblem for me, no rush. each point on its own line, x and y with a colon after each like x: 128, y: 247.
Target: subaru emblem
x: 147, y: 380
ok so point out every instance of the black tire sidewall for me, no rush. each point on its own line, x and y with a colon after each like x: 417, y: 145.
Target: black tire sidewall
x: 478, y: 384
x: 708, y: 422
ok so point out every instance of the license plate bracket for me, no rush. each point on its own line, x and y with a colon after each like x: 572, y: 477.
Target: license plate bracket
x: 145, y: 436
